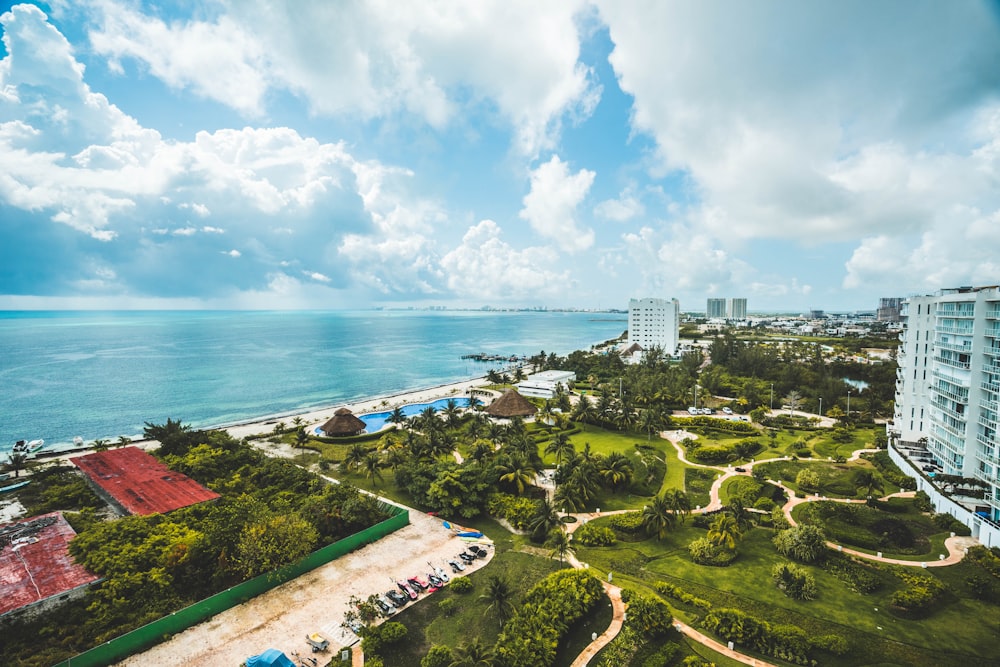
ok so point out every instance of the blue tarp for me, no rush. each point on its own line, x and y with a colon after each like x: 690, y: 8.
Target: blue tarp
x: 272, y: 657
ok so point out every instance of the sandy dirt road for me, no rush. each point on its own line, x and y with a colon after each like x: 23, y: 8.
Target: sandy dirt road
x: 316, y: 601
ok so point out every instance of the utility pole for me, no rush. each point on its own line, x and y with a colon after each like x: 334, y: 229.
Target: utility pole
x: 848, y: 404
x: 772, y: 396
x: 820, y: 406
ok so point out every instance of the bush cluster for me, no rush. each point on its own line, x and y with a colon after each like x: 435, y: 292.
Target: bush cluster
x: 705, y: 552
x: 648, y: 616
x: 629, y: 523
x: 804, y: 543
x: 676, y: 593
x: 550, y: 608
x: 649, y: 469
x: 716, y: 424
x: 461, y: 585
x: 786, y: 642
x: 858, y: 575
x: 917, y: 598
x: 592, y: 535
x: 945, y: 521
x: 516, y: 510
x: 793, y: 581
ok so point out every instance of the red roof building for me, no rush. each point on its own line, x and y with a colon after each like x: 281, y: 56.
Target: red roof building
x: 138, y: 483
x: 35, y: 564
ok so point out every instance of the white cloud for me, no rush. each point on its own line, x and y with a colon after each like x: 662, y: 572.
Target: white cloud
x: 626, y: 207
x: 233, y: 253
x: 803, y: 122
x: 550, y: 206
x: 372, y: 59
x: 185, y: 231
x: 317, y: 276
x: 487, y: 268
x: 213, y: 230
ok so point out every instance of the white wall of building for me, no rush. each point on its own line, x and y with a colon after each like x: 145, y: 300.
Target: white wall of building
x: 654, y: 323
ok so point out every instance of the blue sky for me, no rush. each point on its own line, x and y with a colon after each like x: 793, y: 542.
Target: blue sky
x: 254, y: 154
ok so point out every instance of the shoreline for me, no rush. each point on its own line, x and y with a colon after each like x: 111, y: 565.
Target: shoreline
x: 310, y: 416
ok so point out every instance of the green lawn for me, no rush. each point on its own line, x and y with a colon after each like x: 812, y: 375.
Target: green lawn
x: 864, y: 620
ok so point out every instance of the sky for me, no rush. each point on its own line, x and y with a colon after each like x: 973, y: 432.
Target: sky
x: 327, y: 155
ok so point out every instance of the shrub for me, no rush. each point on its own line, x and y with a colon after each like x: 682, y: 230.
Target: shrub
x: 713, y: 454
x: 675, y: 592
x: 704, y: 552
x: 747, y: 448
x: 918, y: 596
x: 805, y: 544
x: 629, y: 523
x: 922, y: 502
x: 378, y: 636
x: 649, y: 616
x: 793, y: 581
x: 890, y: 471
x: 516, y: 510
x: 592, y: 535
x: 744, y: 489
x: 765, y: 504
x: 858, y: 575
x: 807, y: 480
x: 834, y: 644
x: 662, y: 657
x: 439, y: 656
x: 462, y: 585
x: 447, y: 606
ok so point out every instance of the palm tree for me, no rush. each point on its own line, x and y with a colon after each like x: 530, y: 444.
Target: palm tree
x: 500, y: 596
x: 560, y: 447
x: 561, y: 544
x: 867, y: 482
x: 570, y: 497
x: 301, y: 438
x: 452, y: 413
x: 297, y: 422
x: 744, y: 519
x: 584, y: 410
x: 616, y: 470
x: 279, y: 428
x: 678, y: 502
x: 373, y: 463
x: 396, y: 416
x: 482, y: 451
x: 355, y: 456
x: 473, y: 654
x: 124, y: 440
x: 395, y: 457
x: 546, y: 519
x: 657, y: 517
x: 724, y: 531
x: 493, y: 377
x: 518, y: 473
x: 101, y: 445
x: 17, y: 462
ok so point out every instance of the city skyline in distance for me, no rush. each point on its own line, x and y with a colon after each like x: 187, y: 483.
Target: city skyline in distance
x: 248, y: 156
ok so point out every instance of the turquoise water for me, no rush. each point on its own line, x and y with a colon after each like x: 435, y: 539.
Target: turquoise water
x: 101, y: 375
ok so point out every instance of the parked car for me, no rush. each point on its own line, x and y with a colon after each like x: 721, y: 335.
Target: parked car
x: 441, y: 574
x: 477, y: 551
x: 467, y: 557
x: 407, y: 589
x: 707, y: 411
x: 456, y: 567
x: 727, y: 411
x: 740, y: 469
x: 694, y: 411
x: 434, y: 580
x: 418, y: 583
x: 396, y: 598
x: 384, y: 605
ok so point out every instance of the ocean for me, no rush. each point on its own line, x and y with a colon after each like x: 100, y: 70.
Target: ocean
x: 103, y: 374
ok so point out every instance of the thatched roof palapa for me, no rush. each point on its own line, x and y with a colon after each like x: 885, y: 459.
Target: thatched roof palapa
x: 343, y: 423
x: 511, y: 404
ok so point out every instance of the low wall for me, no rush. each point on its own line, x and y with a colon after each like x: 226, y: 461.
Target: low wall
x: 985, y: 531
x: 161, y: 629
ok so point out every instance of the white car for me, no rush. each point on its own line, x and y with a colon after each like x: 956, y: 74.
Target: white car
x: 707, y: 411
x: 727, y: 411
x: 694, y: 411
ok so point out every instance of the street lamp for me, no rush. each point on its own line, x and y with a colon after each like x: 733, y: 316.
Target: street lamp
x: 772, y: 396
x: 848, y: 403
x: 820, y: 406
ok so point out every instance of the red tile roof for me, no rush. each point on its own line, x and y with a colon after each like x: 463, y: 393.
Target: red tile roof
x: 139, y: 482
x: 37, y: 565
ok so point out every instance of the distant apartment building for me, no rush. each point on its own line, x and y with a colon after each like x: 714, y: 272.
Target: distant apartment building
x: 947, y: 393
x: 889, y: 309
x: 654, y: 323
x: 737, y: 309
x: 715, y: 309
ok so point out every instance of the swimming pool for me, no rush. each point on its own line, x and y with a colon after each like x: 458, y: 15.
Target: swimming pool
x: 375, y: 421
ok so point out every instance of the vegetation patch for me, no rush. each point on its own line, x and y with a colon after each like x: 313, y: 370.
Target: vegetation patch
x: 874, y: 528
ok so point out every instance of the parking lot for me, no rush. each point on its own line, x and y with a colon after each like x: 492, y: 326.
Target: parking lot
x: 316, y: 601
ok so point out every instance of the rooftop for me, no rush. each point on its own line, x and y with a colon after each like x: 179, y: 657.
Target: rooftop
x: 139, y: 483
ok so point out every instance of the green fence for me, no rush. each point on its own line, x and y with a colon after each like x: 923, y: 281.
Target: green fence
x: 161, y: 629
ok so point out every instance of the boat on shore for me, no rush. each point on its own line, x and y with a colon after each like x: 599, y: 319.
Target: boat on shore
x: 27, y: 447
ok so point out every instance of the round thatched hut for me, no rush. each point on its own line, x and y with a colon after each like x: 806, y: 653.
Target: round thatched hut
x: 511, y: 404
x: 343, y: 423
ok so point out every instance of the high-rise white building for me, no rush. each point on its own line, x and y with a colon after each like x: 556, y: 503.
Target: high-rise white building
x: 947, y: 392
x: 737, y: 309
x: 715, y: 308
x: 654, y: 323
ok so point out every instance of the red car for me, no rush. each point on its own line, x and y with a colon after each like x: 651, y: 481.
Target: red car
x: 407, y: 589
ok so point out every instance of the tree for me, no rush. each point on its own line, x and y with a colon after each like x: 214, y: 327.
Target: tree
x: 545, y: 519
x: 560, y: 446
x: 473, y: 654
x: 123, y: 441
x: 584, y: 410
x: 724, y: 531
x: 373, y: 464
x: 807, y: 480
x: 657, y: 517
x: 396, y: 416
x: 678, y: 502
x: 355, y: 456
x: 174, y: 437
x: 500, y: 596
x: 16, y: 462
x: 101, y: 445
x: 561, y: 544
x: 517, y: 473
x: 274, y: 542
x: 301, y: 438
x: 616, y: 470
x: 793, y: 401
x: 867, y: 482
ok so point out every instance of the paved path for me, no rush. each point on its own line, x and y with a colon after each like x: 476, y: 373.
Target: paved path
x: 617, y: 620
